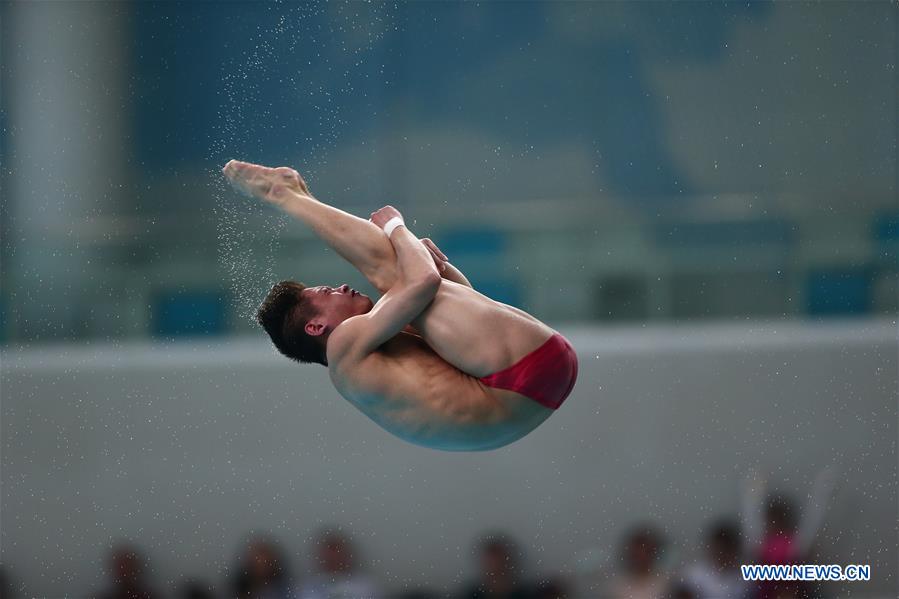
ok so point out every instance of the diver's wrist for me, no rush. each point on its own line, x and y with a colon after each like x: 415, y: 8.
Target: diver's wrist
x: 391, y: 225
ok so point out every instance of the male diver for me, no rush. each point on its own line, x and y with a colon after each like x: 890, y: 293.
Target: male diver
x: 432, y: 361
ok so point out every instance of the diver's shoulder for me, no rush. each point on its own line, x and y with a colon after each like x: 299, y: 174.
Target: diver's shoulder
x: 341, y: 342
x: 355, y: 372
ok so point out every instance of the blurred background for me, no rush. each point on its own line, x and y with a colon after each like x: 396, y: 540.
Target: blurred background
x: 701, y: 196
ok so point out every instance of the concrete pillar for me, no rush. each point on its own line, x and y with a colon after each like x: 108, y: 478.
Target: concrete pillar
x: 66, y: 156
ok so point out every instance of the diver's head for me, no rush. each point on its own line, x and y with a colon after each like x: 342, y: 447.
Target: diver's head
x: 300, y: 319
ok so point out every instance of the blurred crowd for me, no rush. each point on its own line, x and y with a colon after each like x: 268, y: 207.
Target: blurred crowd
x: 771, y: 529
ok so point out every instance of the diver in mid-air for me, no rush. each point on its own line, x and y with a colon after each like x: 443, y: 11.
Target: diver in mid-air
x: 432, y: 361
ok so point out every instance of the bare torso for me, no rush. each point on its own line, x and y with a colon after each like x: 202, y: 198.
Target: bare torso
x: 426, y: 389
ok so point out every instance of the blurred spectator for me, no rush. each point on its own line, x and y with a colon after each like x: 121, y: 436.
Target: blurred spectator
x: 195, y: 589
x: 682, y: 590
x: 776, y: 534
x: 337, y: 575
x: 550, y: 588
x: 261, y: 573
x: 641, y: 577
x: 419, y: 594
x: 5, y: 584
x: 779, y: 540
x: 499, y: 571
x: 126, y: 570
x: 717, y: 575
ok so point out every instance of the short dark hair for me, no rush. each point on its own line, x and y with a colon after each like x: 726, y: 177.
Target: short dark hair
x: 284, y: 314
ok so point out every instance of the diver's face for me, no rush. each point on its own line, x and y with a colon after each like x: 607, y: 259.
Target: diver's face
x: 336, y: 304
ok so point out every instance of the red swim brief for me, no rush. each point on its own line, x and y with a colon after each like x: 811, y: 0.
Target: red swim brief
x: 546, y: 375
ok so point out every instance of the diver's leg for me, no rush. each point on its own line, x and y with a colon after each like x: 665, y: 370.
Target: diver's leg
x: 476, y: 334
x: 360, y: 242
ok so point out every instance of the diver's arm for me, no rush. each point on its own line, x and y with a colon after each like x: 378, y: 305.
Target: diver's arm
x: 359, y: 336
x: 414, y: 260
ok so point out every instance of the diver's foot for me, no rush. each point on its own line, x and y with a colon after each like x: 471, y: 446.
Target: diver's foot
x: 269, y: 184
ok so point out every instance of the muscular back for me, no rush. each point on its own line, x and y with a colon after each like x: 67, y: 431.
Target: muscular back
x: 413, y: 393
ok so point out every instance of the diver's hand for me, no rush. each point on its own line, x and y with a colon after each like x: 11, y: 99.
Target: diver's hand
x: 440, y: 258
x: 382, y: 215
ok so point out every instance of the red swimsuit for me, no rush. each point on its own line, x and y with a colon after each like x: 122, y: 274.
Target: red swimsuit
x: 546, y: 375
